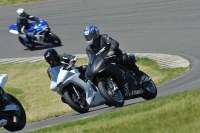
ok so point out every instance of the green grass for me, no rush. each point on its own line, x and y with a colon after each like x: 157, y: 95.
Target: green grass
x: 29, y: 83
x: 10, y: 2
x: 177, y: 113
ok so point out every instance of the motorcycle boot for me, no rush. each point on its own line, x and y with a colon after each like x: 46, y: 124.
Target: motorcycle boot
x: 27, y: 40
x: 132, y: 66
x: 141, y: 76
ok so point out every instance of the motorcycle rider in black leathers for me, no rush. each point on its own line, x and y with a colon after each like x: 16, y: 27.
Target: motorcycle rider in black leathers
x: 23, y: 24
x: 97, y: 41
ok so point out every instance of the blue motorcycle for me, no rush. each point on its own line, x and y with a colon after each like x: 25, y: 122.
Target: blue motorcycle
x: 40, y: 34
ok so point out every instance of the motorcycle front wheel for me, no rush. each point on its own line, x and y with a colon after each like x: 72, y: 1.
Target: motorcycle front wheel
x: 114, y: 98
x: 78, y: 103
x: 29, y: 46
x: 16, y: 118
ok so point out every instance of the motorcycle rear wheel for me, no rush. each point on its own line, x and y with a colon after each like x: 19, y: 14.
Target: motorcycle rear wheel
x: 54, y: 39
x: 150, y: 89
x: 17, y: 119
x: 79, y: 105
x: 113, y: 98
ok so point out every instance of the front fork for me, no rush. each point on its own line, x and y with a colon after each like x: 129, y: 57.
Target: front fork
x: 79, y: 98
x: 76, y: 92
x: 114, y: 85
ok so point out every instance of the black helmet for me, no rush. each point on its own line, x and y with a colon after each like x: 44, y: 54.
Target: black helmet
x: 52, y: 57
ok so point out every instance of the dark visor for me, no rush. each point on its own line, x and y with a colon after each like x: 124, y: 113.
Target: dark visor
x: 89, y: 37
x: 22, y: 15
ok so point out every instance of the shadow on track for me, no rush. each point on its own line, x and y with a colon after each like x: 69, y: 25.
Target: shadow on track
x: 105, y: 107
x: 129, y: 104
x: 41, y: 47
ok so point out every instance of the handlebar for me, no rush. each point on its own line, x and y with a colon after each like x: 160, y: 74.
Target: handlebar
x: 69, y: 66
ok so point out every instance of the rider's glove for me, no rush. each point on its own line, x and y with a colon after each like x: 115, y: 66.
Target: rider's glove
x: 72, y: 61
x: 111, y: 53
x: 70, y: 64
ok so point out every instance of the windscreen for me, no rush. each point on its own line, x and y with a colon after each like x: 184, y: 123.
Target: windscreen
x: 55, y: 71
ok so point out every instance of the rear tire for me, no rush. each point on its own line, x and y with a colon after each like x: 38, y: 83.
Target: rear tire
x: 80, y: 106
x: 20, y: 117
x: 115, y: 99
x: 54, y: 39
x: 150, y: 89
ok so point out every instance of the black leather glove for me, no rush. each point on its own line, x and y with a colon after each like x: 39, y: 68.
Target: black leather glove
x: 64, y: 59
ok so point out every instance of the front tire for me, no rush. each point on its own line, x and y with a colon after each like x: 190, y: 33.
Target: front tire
x: 29, y: 46
x: 79, y: 105
x: 114, y: 98
x: 16, y: 119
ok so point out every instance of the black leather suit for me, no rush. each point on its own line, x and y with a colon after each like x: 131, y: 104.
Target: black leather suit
x: 110, y: 44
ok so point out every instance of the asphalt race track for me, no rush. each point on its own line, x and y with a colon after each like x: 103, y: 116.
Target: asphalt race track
x: 147, y: 26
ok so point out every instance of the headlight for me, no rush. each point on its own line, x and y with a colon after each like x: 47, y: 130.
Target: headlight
x: 45, y: 27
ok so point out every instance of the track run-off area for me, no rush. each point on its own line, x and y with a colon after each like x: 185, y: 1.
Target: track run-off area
x: 163, y: 29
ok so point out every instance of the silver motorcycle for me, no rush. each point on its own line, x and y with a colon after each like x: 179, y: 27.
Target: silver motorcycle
x: 75, y: 90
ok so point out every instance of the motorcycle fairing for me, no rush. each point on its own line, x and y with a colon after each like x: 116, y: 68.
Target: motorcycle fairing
x: 3, y: 79
x: 55, y: 71
x: 13, y: 29
x: 94, y: 96
x: 34, y: 28
x: 98, y: 63
x: 62, y: 78
x: 119, y: 72
x: 58, y: 77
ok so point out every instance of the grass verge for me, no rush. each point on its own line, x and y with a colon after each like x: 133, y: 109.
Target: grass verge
x: 10, y: 2
x: 29, y: 83
x: 177, y: 113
